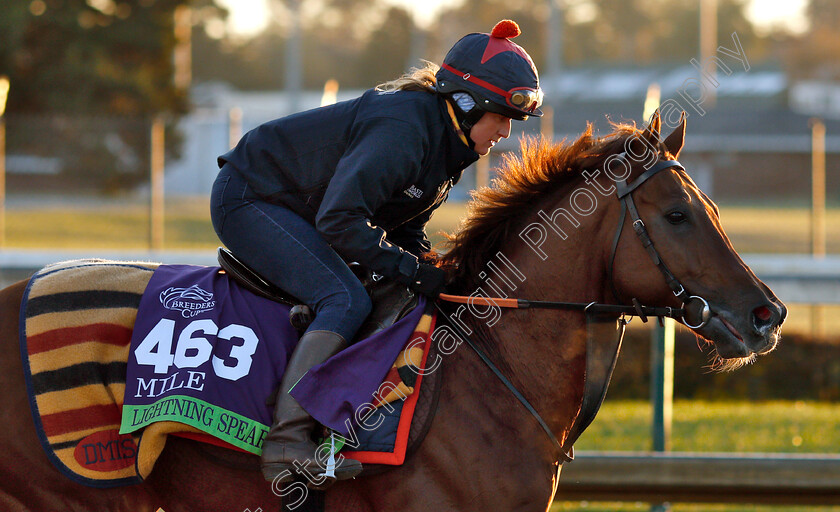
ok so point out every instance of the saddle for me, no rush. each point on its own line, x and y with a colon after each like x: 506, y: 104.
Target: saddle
x: 391, y: 300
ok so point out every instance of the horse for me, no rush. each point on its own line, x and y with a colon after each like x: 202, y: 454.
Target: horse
x: 610, y: 222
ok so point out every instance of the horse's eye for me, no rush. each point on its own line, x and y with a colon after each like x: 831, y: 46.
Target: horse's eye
x: 676, y: 217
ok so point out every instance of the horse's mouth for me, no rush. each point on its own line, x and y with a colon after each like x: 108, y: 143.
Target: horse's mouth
x: 731, y: 351
x: 727, y: 340
x: 732, y: 329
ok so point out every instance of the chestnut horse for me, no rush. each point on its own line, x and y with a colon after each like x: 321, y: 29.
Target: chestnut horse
x: 551, y: 229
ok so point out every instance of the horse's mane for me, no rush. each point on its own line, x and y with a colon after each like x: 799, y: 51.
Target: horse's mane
x: 542, y: 168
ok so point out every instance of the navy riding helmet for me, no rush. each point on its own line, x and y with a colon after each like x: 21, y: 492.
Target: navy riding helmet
x: 497, y: 73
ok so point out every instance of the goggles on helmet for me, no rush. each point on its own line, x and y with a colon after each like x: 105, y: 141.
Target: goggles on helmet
x: 525, y: 99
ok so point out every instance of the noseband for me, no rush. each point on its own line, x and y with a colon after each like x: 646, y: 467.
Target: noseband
x: 601, y: 319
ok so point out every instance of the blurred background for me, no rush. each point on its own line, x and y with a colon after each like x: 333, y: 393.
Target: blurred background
x: 112, y: 114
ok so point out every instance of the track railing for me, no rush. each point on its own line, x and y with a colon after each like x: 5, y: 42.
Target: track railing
x: 760, y: 478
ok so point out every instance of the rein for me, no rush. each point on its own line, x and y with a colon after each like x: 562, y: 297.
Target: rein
x: 592, y: 307
x: 600, y: 359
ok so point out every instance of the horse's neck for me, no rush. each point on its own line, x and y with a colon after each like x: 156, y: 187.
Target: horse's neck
x: 543, y: 352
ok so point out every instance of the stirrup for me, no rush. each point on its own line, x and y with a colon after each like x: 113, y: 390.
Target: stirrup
x: 332, y: 472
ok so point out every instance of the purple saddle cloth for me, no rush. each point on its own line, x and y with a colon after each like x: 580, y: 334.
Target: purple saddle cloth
x: 208, y: 353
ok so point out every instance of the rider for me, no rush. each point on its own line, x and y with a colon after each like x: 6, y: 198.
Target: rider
x: 358, y: 181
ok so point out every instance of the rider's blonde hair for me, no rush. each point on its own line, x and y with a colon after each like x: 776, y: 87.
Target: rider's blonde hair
x: 417, y: 79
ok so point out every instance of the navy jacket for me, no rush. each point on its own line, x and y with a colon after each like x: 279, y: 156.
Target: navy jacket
x: 367, y: 173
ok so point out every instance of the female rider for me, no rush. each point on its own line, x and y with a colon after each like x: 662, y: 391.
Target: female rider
x: 358, y: 181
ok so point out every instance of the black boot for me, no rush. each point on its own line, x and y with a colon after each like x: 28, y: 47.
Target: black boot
x: 289, y: 438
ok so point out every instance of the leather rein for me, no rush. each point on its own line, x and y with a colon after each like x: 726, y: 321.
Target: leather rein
x: 600, y: 319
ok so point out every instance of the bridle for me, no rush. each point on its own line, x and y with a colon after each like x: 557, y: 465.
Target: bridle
x: 624, y: 192
x: 600, y: 318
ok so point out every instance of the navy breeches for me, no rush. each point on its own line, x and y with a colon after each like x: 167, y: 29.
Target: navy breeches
x: 287, y: 250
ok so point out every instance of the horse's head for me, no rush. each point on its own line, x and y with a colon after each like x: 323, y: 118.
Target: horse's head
x: 587, y: 220
x: 728, y: 304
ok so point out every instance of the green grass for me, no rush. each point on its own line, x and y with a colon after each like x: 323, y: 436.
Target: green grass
x: 771, y: 427
x: 115, y: 224
x: 698, y: 426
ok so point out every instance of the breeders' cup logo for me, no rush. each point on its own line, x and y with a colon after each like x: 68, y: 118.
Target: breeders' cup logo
x: 190, y: 301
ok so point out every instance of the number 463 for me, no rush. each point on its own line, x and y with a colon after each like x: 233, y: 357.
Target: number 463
x: 193, y: 350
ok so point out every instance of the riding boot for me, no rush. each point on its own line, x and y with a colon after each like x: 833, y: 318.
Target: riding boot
x: 289, y: 438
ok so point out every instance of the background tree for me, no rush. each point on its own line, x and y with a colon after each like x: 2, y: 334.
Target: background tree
x: 644, y: 33
x: 255, y: 63
x: 362, y: 43
x: 816, y: 54
x: 386, y: 54
x: 70, y: 57
x: 95, y: 72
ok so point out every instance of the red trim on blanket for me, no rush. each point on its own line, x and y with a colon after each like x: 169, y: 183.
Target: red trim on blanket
x: 209, y: 439
x: 110, y: 334
x: 397, y: 457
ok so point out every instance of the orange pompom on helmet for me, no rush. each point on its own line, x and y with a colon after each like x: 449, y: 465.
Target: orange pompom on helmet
x: 497, y: 73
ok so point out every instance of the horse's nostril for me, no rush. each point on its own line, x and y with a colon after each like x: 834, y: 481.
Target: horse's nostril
x: 763, y: 319
x: 762, y: 313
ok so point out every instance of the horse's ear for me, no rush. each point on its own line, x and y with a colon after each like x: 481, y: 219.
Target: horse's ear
x: 653, y: 128
x: 674, y: 142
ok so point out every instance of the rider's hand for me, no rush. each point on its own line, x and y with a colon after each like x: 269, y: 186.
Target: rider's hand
x: 429, y: 280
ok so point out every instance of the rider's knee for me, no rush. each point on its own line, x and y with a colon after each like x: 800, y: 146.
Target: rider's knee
x: 360, y: 304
